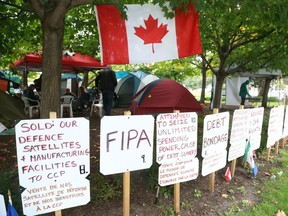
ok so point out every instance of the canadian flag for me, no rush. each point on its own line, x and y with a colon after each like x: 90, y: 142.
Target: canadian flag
x: 146, y: 36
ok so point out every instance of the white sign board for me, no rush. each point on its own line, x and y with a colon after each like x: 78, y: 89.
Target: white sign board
x: 178, y: 171
x: 176, y: 136
x: 275, y: 125
x: 255, y: 127
x: 126, y: 143
x: 215, y: 140
x: 285, y: 127
x: 44, y: 199
x: 53, y: 162
x: 2, y: 205
x: 239, y: 133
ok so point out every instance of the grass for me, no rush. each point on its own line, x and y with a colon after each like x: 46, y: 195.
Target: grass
x: 273, y: 192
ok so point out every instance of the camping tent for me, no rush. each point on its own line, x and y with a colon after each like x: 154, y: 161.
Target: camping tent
x: 126, y: 89
x: 11, y: 109
x: 163, y: 96
x: 121, y: 74
x: 145, y: 78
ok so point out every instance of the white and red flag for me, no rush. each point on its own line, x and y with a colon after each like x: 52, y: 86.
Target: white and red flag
x: 146, y: 36
x: 228, y: 175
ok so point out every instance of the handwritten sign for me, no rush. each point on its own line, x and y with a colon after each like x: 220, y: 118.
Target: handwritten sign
x: 239, y: 133
x: 275, y: 125
x: 176, y: 136
x: 285, y: 127
x: 126, y: 143
x: 178, y: 171
x: 255, y: 127
x: 53, y: 162
x: 215, y: 140
x: 2, y: 205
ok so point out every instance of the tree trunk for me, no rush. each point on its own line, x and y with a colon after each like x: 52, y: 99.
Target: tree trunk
x: 85, y: 80
x: 202, y: 98
x: 217, y: 97
x: 265, y: 92
x: 51, y: 68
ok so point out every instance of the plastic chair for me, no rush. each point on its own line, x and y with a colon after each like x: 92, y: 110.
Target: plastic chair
x: 29, y: 108
x: 97, y: 104
x: 66, y: 102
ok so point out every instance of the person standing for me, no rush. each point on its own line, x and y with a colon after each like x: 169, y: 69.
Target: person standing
x: 244, y: 92
x: 106, y: 81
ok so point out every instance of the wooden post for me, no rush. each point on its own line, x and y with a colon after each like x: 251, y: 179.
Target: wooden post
x: 177, y: 198
x: 283, y: 142
x: 268, y: 153
x: 233, y: 165
x: 53, y: 115
x: 277, y: 147
x: 212, y: 175
x: 176, y: 189
x: 126, y: 193
x: 126, y: 186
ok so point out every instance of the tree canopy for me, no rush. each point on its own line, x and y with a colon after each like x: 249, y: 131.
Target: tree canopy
x: 236, y: 36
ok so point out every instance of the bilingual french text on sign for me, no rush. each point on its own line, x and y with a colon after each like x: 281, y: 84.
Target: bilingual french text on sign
x: 53, y: 162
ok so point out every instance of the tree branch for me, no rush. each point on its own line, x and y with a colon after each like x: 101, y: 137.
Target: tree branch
x: 38, y: 9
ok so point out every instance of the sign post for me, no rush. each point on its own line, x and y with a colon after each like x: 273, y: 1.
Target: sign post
x: 125, y: 146
x: 176, y: 150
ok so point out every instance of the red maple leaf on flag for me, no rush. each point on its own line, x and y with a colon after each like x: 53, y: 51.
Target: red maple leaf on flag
x: 152, y: 33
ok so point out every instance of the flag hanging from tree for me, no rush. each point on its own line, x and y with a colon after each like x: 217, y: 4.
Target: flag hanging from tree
x: 146, y: 36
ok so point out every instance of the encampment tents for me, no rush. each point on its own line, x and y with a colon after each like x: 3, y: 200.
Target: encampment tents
x: 145, y: 78
x: 126, y: 89
x: 163, y: 96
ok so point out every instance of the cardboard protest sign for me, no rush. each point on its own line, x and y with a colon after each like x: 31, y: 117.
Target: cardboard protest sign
x: 275, y: 125
x: 239, y: 133
x: 177, y: 147
x: 285, y: 124
x: 215, y: 140
x: 126, y: 143
x: 53, y: 162
x: 255, y: 127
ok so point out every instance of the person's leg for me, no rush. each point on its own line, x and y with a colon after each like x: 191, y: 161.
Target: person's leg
x: 242, y: 101
x: 110, y: 95
x: 105, y: 101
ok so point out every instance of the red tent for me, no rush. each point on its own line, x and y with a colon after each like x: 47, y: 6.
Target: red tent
x: 76, y: 62
x: 164, y: 96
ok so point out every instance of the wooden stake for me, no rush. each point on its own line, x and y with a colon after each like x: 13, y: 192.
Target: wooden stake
x: 283, y: 142
x: 268, y: 153
x: 212, y: 175
x: 277, y: 148
x: 177, y: 198
x: 126, y: 186
x: 53, y: 115
x: 126, y: 194
x: 233, y: 167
